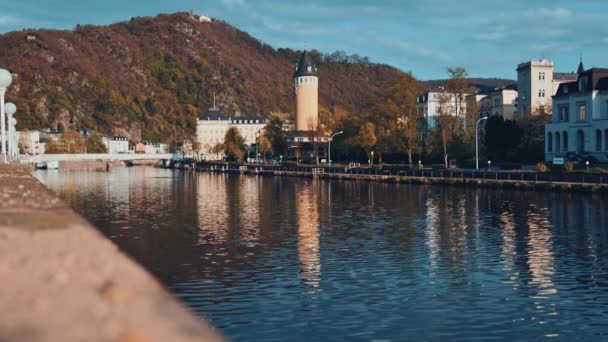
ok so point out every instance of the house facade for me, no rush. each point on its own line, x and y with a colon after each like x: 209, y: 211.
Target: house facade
x: 579, y: 125
x: 429, y: 104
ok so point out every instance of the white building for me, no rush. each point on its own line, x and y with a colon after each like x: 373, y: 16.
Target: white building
x: 500, y: 102
x: 212, y: 126
x: 29, y: 142
x: 116, y: 144
x: 579, y: 126
x: 429, y: 105
x: 537, y: 83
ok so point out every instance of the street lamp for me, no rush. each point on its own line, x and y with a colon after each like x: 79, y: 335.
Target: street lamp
x: 329, y: 147
x: 587, y: 163
x: 477, y: 141
x: 10, y: 109
x: 371, y: 161
x: 489, y: 164
x: 5, y: 81
x: 257, y: 143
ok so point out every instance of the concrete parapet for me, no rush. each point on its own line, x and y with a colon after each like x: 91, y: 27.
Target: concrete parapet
x: 62, y: 280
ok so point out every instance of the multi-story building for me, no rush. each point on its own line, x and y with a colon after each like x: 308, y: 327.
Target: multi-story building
x: 212, y: 126
x: 537, y: 83
x: 579, y: 124
x: 503, y: 102
x: 116, y: 144
x: 429, y: 106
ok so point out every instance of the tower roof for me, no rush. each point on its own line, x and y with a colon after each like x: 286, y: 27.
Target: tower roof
x: 306, y: 67
x: 581, y: 68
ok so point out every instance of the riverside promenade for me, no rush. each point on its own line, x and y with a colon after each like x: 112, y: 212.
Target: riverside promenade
x: 62, y: 280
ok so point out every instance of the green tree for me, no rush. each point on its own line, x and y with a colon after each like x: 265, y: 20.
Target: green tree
x: 276, y: 134
x: 366, y: 138
x: 95, y: 144
x: 234, y: 144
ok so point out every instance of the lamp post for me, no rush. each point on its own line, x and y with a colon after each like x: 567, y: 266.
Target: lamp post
x: 371, y: 161
x: 489, y: 165
x: 15, y: 140
x: 587, y: 163
x: 477, y: 142
x: 257, y: 143
x: 329, y: 147
x: 5, y: 81
x: 10, y: 109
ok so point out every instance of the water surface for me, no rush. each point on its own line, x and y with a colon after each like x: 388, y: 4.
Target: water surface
x: 274, y: 259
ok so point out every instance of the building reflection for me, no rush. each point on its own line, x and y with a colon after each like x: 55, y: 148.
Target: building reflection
x: 541, y: 261
x: 307, y: 213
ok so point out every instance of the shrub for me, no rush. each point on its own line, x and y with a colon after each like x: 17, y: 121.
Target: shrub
x: 569, y: 166
x: 541, y: 167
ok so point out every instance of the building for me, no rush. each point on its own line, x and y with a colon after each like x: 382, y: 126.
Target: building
x: 211, y: 128
x: 579, y: 125
x: 429, y: 103
x: 308, y: 134
x: 116, y: 144
x: 29, y: 143
x: 537, y: 83
x: 503, y: 102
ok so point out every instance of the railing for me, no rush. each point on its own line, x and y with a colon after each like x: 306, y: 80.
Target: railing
x: 556, y: 177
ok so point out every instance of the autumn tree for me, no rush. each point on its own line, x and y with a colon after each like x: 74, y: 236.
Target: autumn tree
x: 447, y: 124
x: 234, y: 144
x: 458, y: 85
x: 263, y: 146
x: 95, y: 144
x: 366, y: 138
x: 408, y: 123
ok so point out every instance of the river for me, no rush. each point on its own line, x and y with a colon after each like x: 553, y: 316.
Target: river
x: 275, y: 259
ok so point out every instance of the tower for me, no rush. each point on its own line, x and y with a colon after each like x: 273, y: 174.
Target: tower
x: 306, y: 82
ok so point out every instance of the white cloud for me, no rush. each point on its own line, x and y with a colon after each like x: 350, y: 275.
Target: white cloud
x: 8, y: 20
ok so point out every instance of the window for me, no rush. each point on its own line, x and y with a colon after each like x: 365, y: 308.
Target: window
x: 606, y: 139
x: 541, y: 93
x: 563, y: 113
x: 582, y: 112
x: 565, y: 141
x: 598, y: 141
x: 565, y: 89
x: 549, y: 142
x: 541, y: 76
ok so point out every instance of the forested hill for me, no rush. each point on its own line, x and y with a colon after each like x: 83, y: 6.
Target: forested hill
x: 151, y: 77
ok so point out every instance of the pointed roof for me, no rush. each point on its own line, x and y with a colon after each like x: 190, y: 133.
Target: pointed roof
x: 581, y: 68
x: 306, y: 66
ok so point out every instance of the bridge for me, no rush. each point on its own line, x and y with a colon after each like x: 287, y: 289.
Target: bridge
x: 42, y: 158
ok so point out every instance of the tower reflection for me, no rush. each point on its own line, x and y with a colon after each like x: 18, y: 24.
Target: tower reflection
x: 307, y: 214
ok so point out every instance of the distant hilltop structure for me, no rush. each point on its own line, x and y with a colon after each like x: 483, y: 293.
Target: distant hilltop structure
x: 201, y: 18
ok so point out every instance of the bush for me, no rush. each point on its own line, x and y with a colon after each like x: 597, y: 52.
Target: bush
x: 569, y: 166
x: 541, y: 167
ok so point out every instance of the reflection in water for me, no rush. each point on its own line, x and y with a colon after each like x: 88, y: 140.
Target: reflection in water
x: 398, y: 261
x: 307, y: 214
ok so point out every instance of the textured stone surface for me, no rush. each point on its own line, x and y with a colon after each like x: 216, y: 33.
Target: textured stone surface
x: 61, y: 280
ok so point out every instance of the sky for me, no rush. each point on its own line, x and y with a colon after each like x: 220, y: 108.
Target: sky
x: 487, y: 37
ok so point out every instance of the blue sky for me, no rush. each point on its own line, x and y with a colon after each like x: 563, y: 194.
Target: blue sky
x: 488, y: 37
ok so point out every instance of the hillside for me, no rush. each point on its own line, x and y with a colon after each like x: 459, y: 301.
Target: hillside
x: 479, y: 83
x: 151, y: 77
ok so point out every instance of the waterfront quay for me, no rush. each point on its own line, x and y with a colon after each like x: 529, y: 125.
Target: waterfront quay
x: 542, y: 181
x: 62, y: 280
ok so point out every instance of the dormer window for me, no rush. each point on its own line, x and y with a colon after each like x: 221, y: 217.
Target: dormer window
x: 565, y: 89
x: 309, y: 68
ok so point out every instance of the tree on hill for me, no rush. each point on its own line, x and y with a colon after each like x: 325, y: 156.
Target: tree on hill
x: 234, y: 144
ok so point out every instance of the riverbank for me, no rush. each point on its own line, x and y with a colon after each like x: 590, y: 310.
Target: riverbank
x: 62, y: 280
x: 518, y: 184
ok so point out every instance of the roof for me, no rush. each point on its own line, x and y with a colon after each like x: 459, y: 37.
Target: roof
x: 213, y: 114
x: 588, y: 80
x: 565, y: 76
x: 306, y: 66
x: 581, y: 68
